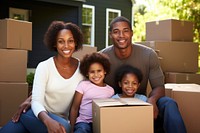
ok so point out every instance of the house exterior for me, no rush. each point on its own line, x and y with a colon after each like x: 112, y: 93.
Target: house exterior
x: 93, y: 16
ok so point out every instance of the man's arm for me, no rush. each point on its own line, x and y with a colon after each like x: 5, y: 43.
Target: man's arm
x: 155, y: 94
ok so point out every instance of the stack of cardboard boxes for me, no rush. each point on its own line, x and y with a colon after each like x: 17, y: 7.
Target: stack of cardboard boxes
x: 15, y: 41
x: 178, y: 54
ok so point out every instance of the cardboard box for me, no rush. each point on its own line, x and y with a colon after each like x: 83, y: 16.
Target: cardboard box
x: 13, y: 65
x: 87, y: 49
x: 123, y: 115
x: 169, y: 30
x: 176, y: 56
x: 168, y: 91
x: 11, y: 96
x: 15, y: 34
x: 172, y: 77
x: 187, y: 97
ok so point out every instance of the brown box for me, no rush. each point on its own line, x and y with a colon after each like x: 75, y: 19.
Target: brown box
x: 15, y: 34
x: 124, y: 115
x: 13, y: 65
x: 172, y: 77
x: 87, y: 49
x: 187, y: 97
x: 176, y: 56
x: 11, y: 96
x: 169, y: 30
x: 168, y: 92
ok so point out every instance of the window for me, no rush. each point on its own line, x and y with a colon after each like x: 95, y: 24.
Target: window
x: 88, y: 24
x: 19, y: 14
x: 110, y: 15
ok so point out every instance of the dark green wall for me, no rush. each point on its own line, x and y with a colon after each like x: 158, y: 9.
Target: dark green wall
x: 42, y: 16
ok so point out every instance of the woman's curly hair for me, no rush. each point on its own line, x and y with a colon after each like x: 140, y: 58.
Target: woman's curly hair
x: 50, y: 37
x: 95, y: 57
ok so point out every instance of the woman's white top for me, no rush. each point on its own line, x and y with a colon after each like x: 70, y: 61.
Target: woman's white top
x: 52, y: 92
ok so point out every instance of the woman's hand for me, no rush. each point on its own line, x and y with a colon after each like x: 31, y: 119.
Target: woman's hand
x: 22, y: 109
x: 54, y: 126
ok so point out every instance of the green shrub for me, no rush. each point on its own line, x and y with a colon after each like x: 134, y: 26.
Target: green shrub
x: 29, y: 78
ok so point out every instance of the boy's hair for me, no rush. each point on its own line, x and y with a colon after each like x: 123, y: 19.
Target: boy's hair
x: 95, y: 57
x: 119, y: 19
x: 126, y: 69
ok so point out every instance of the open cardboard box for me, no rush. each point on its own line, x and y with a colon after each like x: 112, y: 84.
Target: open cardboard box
x: 123, y: 115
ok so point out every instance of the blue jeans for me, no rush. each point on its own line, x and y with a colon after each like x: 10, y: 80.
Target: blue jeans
x: 12, y: 127
x: 83, y: 127
x: 29, y: 123
x: 169, y: 113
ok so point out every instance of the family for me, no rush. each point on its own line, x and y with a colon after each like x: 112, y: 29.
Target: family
x: 63, y: 88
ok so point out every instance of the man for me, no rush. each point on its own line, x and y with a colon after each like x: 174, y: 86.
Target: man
x: 123, y: 51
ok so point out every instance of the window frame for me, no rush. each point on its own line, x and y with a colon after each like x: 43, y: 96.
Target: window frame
x: 108, y: 10
x: 92, y: 34
x: 26, y: 13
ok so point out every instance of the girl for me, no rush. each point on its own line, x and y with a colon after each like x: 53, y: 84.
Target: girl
x: 94, y: 67
x: 128, y: 80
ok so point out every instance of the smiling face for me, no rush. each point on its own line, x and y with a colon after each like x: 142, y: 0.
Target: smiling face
x: 129, y: 85
x: 121, y: 35
x: 96, y: 74
x: 65, y: 43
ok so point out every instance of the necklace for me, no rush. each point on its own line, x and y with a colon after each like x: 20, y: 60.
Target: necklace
x: 58, y: 64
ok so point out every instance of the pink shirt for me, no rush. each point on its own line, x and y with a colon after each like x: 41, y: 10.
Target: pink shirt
x: 91, y: 91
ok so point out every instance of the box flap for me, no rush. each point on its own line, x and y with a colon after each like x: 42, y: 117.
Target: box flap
x: 183, y: 87
x: 120, y: 102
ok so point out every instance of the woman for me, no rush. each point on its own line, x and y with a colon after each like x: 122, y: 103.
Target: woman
x: 54, y: 83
